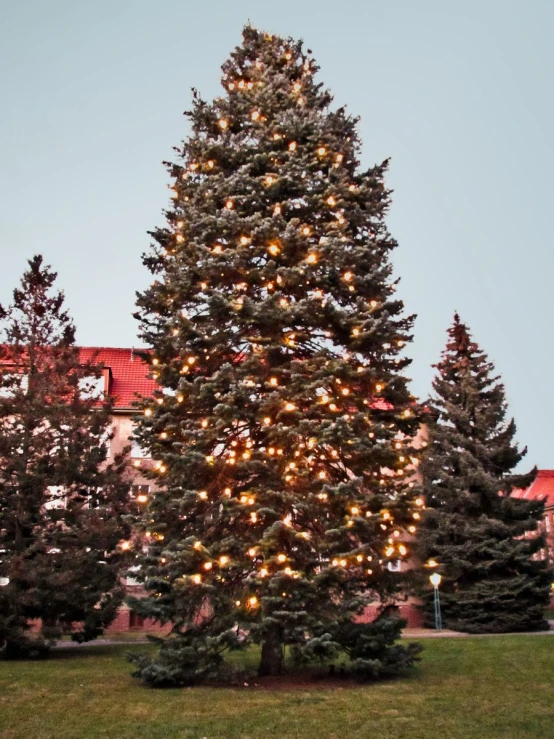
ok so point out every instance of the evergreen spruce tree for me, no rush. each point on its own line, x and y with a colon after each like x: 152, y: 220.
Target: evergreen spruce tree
x: 61, y: 504
x: 283, y: 423
x: 483, y: 540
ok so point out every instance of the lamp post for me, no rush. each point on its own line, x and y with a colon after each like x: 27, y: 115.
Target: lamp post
x: 435, y: 579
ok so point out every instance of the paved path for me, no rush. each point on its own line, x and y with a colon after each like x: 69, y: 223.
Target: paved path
x: 407, y: 634
x: 433, y: 634
x: 100, y: 643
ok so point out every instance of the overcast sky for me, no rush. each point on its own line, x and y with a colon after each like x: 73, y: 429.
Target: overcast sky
x: 459, y: 95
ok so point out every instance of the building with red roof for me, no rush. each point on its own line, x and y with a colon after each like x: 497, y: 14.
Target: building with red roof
x: 542, y: 488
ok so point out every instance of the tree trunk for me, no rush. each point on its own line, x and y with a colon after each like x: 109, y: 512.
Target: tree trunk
x: 272, y: 661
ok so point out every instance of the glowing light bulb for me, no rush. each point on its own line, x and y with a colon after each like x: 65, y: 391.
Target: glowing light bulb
x: 289, y: 406
x: 203, y: 495
x: 148, y: 412
x: 252, y: 552
x: 321, y: 151
x: 273, y: 249
x: 297, y: 87
x: 269, y: 180
x: 223, y: 560
x: 255, y: 115
x: 354, y: 510
x: 229, y: 205
x: 273, y: 381
x: 217, y: 249
x: 347, y: 276
x: 267, y: 421
x: 331, y: 200
x: 208, y: 565
x: 378, y: 387
x: 253, y: 601
x: 312, y: 258
x: 292, y: 146
x: 223, y: 124
x: 277, y: 210
x: 282, y: 557
x: 197, y: 579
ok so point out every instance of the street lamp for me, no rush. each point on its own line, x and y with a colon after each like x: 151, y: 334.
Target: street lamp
x: 435, y: 579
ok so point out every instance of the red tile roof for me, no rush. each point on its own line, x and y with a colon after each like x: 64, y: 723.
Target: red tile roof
x: 128, y: 372
x: 541, y: 489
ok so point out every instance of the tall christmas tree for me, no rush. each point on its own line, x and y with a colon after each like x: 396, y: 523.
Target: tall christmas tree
x: 61, y: 504
x: 283, y: 422
x: 483, y: 540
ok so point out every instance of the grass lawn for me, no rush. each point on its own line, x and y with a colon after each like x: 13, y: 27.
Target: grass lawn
x: 465, y: 688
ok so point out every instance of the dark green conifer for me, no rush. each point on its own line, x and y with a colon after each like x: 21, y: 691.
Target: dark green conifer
x: 279, y: 429
x: 61, y: 504
x: 484, y: 541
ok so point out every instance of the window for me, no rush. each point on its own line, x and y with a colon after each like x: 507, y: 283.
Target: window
x: 140, y: 493
x: 92, y: 387
x: 105, y: 440
x: 135, y: 621
x: 137, y: 452
x: 11, y: 382
x: 56, y: 498
x: 394, y: 565
x: 130, y: 581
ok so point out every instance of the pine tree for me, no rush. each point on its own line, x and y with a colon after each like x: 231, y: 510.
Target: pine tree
x: 61, y: 504
x: 282, y: 428
x: 483, y: 540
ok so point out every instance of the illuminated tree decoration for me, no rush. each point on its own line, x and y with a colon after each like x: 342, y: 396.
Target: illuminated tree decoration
x: 292, y: 440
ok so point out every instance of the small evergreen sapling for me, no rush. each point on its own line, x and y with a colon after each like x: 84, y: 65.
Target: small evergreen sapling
x: 484, y: 541
x: 283, y: 422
